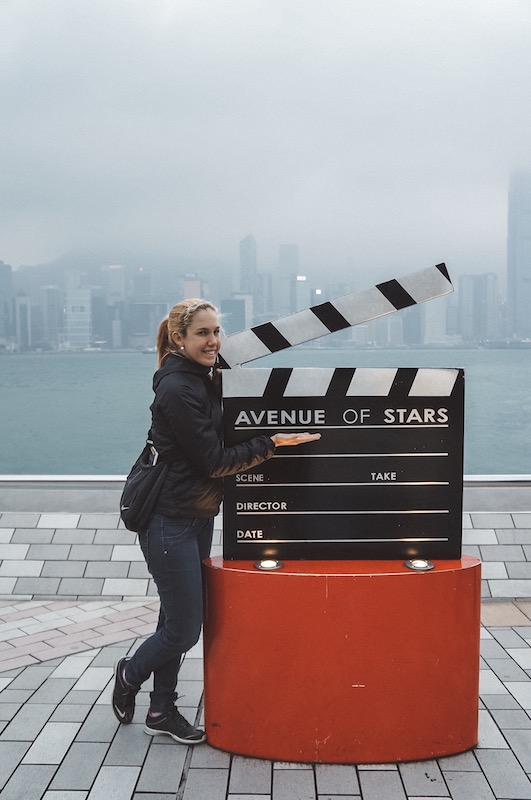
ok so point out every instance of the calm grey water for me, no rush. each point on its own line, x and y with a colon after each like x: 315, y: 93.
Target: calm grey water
x: 88, y: 413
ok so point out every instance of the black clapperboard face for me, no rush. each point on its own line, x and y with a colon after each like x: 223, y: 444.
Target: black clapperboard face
x: 385, y: 481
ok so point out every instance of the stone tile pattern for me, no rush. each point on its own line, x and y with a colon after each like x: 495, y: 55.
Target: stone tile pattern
x: 59, y: 739
x: 73, y: 556
x: 83, y: 556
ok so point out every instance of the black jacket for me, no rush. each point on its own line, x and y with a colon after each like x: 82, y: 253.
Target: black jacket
x: 187, y: 431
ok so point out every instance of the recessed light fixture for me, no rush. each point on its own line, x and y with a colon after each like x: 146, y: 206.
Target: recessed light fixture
x: 419, y: 564
x: 269, y: 564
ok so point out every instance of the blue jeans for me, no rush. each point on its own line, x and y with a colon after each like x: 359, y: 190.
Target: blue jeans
x: 173, y: 549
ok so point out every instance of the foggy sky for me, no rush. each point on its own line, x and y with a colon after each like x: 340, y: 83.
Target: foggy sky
x: 373, y: 133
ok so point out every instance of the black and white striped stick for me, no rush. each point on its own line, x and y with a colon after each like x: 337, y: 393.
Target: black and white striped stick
x: 335, y: 315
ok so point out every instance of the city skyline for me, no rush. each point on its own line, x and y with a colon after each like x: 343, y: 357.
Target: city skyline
x: 376, y: 135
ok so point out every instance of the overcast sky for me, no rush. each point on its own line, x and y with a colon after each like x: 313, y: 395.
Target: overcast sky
x: 373, y: 133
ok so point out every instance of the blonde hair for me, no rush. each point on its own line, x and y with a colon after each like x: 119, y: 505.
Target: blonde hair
x: 178, y: 321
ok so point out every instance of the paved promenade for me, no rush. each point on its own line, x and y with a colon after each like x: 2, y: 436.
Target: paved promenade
x: 59, y: 739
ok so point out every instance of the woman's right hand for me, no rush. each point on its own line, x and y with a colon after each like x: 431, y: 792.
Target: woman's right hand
x: 290, y: 439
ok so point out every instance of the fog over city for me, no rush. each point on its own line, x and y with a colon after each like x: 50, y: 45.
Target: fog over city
x: 377, y: 135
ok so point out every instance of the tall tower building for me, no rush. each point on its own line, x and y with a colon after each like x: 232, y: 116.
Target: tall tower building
x: 479, y: 307
x: 6, y: 302
x: 519, y: 257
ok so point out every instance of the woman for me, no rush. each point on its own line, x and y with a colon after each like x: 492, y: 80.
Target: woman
x: 187, y: 433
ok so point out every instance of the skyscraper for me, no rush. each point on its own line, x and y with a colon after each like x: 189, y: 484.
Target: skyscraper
x: 6, y: 302
x: 519, y: 257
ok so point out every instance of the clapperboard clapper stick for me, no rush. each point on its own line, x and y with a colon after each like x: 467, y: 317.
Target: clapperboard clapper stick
x: 335, y: 315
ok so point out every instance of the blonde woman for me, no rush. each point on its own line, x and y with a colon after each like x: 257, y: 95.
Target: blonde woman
x: 187, y: 433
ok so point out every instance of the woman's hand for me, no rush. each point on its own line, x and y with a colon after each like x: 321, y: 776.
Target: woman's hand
x: 285, y: 439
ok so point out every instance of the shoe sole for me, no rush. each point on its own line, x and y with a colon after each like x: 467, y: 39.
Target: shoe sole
x: 151, y: 732
x: 124, y: 717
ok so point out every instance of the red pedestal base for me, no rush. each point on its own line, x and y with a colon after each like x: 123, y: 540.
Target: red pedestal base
x: 342, y: 661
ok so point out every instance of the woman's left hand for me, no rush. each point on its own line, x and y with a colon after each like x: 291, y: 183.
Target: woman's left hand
x: 290, y: 439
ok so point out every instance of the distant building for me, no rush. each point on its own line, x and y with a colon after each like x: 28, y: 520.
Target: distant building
x: 6, y: 303
x: 23, y: 331
x: 78, y: 318
x: 479, y: 307
x: 519, y: 257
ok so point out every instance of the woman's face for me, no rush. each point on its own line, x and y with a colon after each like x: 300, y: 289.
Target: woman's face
x: 202, y: 342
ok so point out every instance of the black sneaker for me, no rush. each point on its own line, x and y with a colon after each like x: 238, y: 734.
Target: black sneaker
x: 175, y: 725
x: 123, y: 696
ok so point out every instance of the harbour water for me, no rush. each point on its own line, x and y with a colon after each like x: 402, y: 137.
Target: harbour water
x: 88, y: 413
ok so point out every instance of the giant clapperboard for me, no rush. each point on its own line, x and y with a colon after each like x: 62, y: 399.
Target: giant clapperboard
x: 385, y: 481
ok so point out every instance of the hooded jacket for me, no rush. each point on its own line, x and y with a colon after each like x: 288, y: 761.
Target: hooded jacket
x: 187, y: 431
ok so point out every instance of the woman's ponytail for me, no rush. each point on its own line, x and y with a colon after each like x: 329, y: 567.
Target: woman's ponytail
x: 163, y: 342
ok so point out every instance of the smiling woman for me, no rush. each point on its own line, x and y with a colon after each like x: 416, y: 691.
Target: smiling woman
x: 187, y: 435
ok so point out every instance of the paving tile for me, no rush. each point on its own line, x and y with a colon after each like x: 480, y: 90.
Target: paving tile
x: 491, y: 520
x: 107, y: 569
x: 522, y: 520
x: 336, y: 779
x: 19, y: 519
x: 206, y: 756
x: 506, y: 669
x: 100, y: 726
x: 15, y: 552
x: 520, y: 742
x: 463, y: 762
x: 73, y: 666
x: 28, y: 723
x: 504, y: 774
x: 489, y: 734
x: 521, y: 692
x: 48, y: 552
x: 11, y: 754
x: 491, y: 570
x: 489, y: 683
x: 117, y: 783
x: 24, y: 568
x: 80, y: 766
x: 468, y: 786
x: 502, y: 552
x: 32, y: 536
x: 58, y: 521
x: 291, y: 783
x: 511, y: 588
x: 129, y: 747
x: 99, y: 520
x: 212, y: 784
x: 52, y: 691
x: 522, y: 536
x: 81, y: 586
x: 376, y: 785
x: 29, y: 782
x: 424, y: 779
x: 64, y: 569
x: 163, y: 767
x: 507, y: 637
x: 73, y: 536
x: 522, y: 656
x: 519, y: 570
x: 511, y: 719
x: 115, y: 537
x: 250, y: 776
x: 7, y: 585
x: 479, y: 536
x: 525, y: 607
x: 503, y: 614
x: 125, y: 586
x: 31, y: 678
x: 52, y: 743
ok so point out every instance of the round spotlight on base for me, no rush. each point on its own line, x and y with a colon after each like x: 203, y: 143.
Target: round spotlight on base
x: 269, y: 564
x: 419, y: 564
